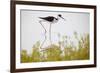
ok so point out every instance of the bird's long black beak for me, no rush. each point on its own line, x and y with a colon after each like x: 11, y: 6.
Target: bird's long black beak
x: 63, y: 18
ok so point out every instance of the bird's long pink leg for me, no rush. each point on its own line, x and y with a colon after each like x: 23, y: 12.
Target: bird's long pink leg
x: 41, y: 49
x: 50, y: 34
x: 45, y: 34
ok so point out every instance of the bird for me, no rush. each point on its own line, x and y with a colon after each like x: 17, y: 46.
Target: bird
x: 51, y: 20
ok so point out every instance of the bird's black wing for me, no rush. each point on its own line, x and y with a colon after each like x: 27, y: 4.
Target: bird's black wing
x: 49, y: 18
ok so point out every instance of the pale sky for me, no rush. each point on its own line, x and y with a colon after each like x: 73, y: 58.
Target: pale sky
x: 32, y: 31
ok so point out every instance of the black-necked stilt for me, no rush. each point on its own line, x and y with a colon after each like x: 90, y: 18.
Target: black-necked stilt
x: 51, y: 20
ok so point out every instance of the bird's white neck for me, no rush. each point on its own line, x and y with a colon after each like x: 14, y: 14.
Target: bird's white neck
x: 58, y: 17
x: 55, y: 20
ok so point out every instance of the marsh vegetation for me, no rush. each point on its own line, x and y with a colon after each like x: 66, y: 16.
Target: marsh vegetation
x: 54, y: 52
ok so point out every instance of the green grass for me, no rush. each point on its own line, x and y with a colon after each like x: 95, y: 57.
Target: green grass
x: 54, y: 52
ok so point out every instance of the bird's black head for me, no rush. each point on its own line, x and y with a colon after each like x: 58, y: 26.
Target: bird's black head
x: 59, y: 15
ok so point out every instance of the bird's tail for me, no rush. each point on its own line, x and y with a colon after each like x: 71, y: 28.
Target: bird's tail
x: 41, y: 17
